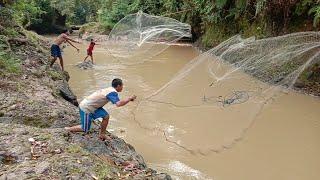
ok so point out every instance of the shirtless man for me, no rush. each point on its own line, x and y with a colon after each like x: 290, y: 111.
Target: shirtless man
x: 55, y: 49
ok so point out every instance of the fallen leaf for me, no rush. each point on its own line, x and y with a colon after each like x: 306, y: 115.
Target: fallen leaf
x: 31, y: 140
x: 58, y: 151
x: 94, y: 177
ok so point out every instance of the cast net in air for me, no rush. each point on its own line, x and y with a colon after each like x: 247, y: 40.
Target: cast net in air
x: 142, y: 35
x: 210, y: 104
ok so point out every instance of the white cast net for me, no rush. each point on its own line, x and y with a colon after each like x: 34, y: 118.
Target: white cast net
x: 142, y: 35
x: 219, y: 94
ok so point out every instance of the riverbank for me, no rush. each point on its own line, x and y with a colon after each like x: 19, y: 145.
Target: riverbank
x: 36, y: 103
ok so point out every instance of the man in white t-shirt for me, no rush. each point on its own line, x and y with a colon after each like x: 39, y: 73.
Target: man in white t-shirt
x: 91, y: 108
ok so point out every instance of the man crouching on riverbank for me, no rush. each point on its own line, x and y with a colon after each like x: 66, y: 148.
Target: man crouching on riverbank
x: 91, y: 108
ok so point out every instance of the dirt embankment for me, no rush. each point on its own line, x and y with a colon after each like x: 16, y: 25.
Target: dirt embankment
x: 35, y: 104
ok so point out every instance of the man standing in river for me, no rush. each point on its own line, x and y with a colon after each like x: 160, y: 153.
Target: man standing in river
x: 90, y: 50
x: 55, y: 49
x: 91, y: 108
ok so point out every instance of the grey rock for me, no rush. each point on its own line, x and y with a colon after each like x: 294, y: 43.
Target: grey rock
x: 67, y: 94
x: 42, y: 167
x: 85, y: 65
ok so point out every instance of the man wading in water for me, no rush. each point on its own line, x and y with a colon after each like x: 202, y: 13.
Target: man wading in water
x: 55, y: 49
x: 89, y: 50
x: 91, y: 108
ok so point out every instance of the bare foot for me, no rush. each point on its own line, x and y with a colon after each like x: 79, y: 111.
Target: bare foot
x: 103, y: 137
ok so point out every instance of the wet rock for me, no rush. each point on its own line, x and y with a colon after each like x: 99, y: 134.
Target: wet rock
x: 66, y: 75
x: 85, y: 65
x: 6, y: 119
x: 299, y: 84
x: 7, y: 158
x: 42, y: 167
x: 162, y: 176
x: 67, y: 94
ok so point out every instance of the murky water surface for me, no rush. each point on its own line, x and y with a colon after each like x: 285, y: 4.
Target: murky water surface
x: 282, y: 143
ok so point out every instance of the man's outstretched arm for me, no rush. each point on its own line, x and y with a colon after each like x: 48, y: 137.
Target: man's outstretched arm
x: 69, y: 39
x: 73, y: 45
x: 125, y: 101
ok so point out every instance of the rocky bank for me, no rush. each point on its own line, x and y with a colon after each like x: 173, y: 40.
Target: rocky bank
x: 35, y: 104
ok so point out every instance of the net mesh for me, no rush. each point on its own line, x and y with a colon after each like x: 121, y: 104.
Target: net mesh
x: 143, y: 35
x: 219, y: 94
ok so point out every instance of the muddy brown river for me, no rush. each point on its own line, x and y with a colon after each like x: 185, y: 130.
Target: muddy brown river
x: 282, y: 143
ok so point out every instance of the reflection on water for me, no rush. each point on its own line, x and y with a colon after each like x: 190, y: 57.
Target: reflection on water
x: 283, y: 142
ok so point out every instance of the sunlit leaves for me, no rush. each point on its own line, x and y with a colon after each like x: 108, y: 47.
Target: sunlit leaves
x: 316, y: 11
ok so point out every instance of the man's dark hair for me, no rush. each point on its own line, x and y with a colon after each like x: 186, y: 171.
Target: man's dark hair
x: 116, y: 82
x: 91, y: 39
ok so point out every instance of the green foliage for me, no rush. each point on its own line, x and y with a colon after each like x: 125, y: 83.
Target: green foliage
x: 316, y: 11
x: 303, y: 6
x: 114, y: 10
x: 220, y: 3
x: 199, y: 13
x: 6, y: 2
x: 93, y: 27
x: 8, y: 64
x: 74, y: 148
x: 248, y: 29
x: 65, y: 7
x: 55, y: 75
x: 258, y: 18
x: 47, y: 15
x: 77, y: 11
x: 6, y: 16
x: 27, y: 12
x: 4, y: 45
x: 84, y: 11
x: 214, y: 35
x: 10, y: 32
x: 101, y: 171
x: 260, y: 5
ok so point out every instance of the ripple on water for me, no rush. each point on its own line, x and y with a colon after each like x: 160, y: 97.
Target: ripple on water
x: 179, y: 170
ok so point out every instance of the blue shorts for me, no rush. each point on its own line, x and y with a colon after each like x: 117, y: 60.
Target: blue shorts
x: 55, y: 51
x: 86, y: 118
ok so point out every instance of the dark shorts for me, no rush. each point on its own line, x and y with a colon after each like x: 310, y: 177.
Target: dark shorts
x: 55, y: 51
x: 86, y: 118
x: 89, y: 52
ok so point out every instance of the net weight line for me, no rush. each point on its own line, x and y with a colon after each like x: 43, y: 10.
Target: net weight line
x: 236, y: 97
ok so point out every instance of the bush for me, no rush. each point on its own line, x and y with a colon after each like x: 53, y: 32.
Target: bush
x: 8, y: 64
x: 95, y: 27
